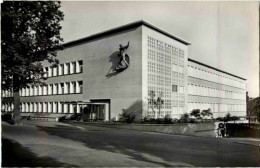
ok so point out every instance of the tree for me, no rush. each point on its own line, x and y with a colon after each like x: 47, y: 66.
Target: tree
x: 156, y: 102
x: 227, y: 117
x: 185, y: 117
x: 195, y: 113
x: 30, y: 35
x: 256, y: 108
x: 127, y: 116
x: 206, y: 113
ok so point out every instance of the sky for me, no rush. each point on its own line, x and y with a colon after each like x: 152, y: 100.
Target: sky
x: 224, y: 35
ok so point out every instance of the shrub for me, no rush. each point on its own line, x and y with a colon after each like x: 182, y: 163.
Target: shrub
x: 62, y: 118
x: 167, y: 119
x: 227, y: 117
x: 195, y: 113
x: 184, y: 118
x: 127, y: 117
x: 206, y: 113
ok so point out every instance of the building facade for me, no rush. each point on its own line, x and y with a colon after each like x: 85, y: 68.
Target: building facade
x: 89, y: 79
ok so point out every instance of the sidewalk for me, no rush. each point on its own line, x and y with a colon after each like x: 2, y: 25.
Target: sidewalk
x: 245, y: 141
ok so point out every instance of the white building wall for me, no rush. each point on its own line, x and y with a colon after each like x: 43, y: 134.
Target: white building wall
x: 219, y: 91
x: 164, y: 65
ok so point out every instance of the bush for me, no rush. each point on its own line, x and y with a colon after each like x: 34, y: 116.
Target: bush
x: 206, y: 113
x: 167, y: 120
x: 195, y: 113
x: 62, y: 118
x: 127, y: 117
x: 184, y: 118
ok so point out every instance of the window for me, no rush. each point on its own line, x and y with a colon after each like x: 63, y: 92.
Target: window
x: 61, y: 88
x: 50, y: 107
x: 175, y: 67
x: 181, y: 69
x: 45, y: 72
x: 67, y: 68
x: 50, y: 89
x: 39, y: 90
x: 49, y: 72
x: 73, y: 87
x: 55, y: 88
x: 54, y: 71
x: 81, y: 66
x: 73, y: 67
x: 45, y: 107
x: 67, y: 87
x: 61, y: 69
x: 80, y: 86
x: 174, y: 88
x: 62, y: 107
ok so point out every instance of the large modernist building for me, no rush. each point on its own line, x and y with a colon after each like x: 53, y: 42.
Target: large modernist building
x: 102, y: 75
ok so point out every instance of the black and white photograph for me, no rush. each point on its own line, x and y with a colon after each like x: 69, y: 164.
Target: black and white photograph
x: 130, y: 84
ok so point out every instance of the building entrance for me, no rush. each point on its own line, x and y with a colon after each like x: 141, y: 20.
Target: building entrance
x: 96, y: 112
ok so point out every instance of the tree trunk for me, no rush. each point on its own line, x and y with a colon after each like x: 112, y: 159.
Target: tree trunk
x: 17, y: 110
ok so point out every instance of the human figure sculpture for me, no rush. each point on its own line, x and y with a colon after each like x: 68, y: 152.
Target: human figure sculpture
x: 122, y: 56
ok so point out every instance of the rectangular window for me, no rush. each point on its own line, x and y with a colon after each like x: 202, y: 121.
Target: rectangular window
x: 181, y: 89
x: 62, y: 107
x: 49, y: 71
x: 62, y: 88
x: 175, y: 67
x: 50, y: 89
x: 68, y: 68
x: 73, y: 67
x: 73, y: 87
x: 181, y: 69
x: 45, y: 72
x: 61, y: 69
x: 80, y: 66
x: 40, y: 90
x: 50, y: 110
x: 80, y: 86
x: 67, y: 87
x: 54, y: 71
x: 174, y: 88
x: 55, y: 88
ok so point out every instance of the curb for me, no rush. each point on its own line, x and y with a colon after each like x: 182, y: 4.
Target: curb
x: 258, y: 146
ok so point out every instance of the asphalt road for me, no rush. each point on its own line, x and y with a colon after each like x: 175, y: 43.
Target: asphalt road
x: 57, y: 144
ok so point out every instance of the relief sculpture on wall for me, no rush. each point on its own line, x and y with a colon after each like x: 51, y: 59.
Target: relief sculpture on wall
x: 120, y: 61
x: 124, y: 58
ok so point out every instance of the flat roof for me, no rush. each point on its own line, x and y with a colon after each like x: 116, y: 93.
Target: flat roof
x: 197, y: 62
x: 122, y: 28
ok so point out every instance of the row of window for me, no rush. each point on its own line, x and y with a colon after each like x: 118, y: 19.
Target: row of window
x: 7, y: 93
x: 7, y: 107
x: 64, y: 69
x: 215, y: 76
x: 162, y: 46
x: 163, y: 69
x: 51, y: 107
x: 214, y: 92
x: 216, y: 107
x: 53, y: 89
x: 157, y: 56
x: 174, y: 112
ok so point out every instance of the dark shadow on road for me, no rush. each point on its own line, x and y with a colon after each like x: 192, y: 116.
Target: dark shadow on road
x: 15, y: 155
x: 100, y: 143
x: 161, y: 149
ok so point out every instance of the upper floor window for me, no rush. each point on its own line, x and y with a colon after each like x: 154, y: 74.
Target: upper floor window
x: 174, y: 88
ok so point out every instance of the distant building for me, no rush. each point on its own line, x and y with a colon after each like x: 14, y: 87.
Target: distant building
x: 92, y: 78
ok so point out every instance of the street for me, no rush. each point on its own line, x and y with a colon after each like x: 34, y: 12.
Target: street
x: 37, y: 143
